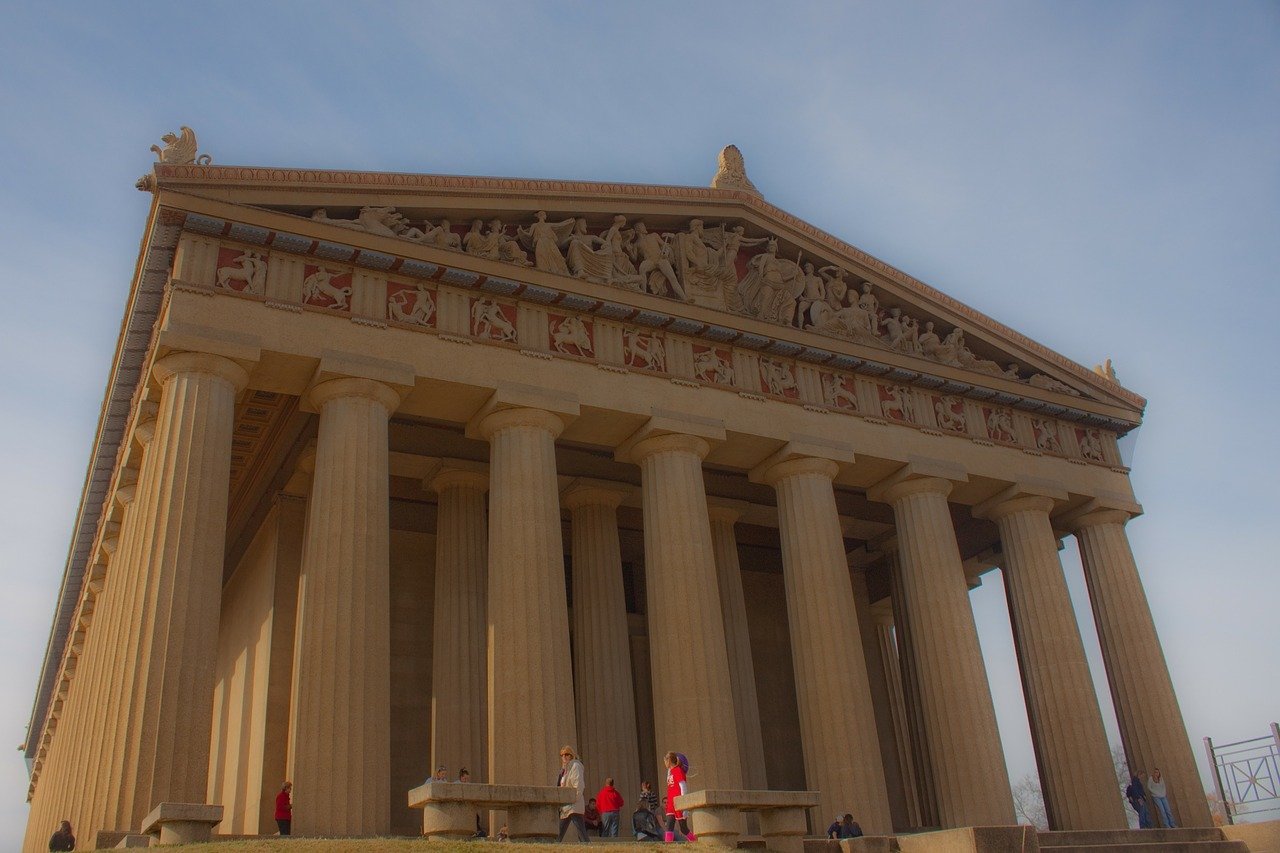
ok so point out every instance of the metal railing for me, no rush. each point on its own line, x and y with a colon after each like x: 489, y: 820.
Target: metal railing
x: 1246, y: 774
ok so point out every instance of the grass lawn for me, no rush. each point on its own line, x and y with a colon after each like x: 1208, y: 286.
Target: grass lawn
x: 389, y: 845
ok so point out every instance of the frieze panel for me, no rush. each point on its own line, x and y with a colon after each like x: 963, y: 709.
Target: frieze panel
x: 411, y: 303
x: 571, y: 335
x: 713, y: 364
x: 493, y: 320
x: 897, y: 403
x: 999, y: 425
x: 840, y: 391
x: 949, y: 413
x: 324, y: 287
x: 644, y: 350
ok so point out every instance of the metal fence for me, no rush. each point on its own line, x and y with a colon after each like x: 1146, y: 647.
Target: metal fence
x: 1247, y: 774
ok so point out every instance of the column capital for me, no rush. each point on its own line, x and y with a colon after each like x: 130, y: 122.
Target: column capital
x: 773, y: 472
x: 918, y: 475
x: 200, y: 362
x: 663, y: 423
x: 670, y: 442
x: 584, y: 492
x: 503, y: 419
x: 726, y: 510
x: 894, y: 492
x: 457, y: 474
x: 998, y: 508
x: 513, y: 396
x: 354, y: 386
x: 1095, y: 511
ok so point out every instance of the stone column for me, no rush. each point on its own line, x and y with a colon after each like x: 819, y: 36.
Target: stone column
x: 965, y: 755
x: 742, y: 671
x: 530, y: 673
x: 340, y: 740
x: 182, y: 492
x: 1151, y: 725
x: 926, y: 802
x: 692, y: 693
x: 601, y: 648
x: 1077, y: 776
x: 459, y: 720
x: 888, y: 651
x: 895, y: 781
x: 837, y: 720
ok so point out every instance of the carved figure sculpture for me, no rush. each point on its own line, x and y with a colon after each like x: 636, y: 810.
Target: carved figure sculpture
x: 1106, y: 370
x: 950, y: 413
x: 320, y: 283
x: 1000, y: 425
x: 731, y: 173
x: 544, y: 239
x: 1091, y: 446
x: 779, y: 378
x: 1046, y: 433
x: 835, y: 286
x: 252, y: 270
x: 899, y: 406
x: 570, y: 337
x: 814, y: 292
x: 646, y: 352
x: 412, y: 305
x: 710, y: 367
x: 321, y: 214
x: 700, y: 267
x: 505, y: 249
x: 868, y: 303
x: 655, y: 255
x: 929, y: 341
x: 1040, y: 380
x: 180, y: 149
x: 618, y: 241
x: 585, y: 260
x: 836, y: 393
x: 441, y: 236
x: 476, y: 242
x: 488, y: 321
x: 893, y: 331
x: 771, y: 286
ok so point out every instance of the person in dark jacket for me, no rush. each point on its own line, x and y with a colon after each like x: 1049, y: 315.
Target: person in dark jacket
x: 63, y: 839
x: 1137, y: 797
x: 284, y: 809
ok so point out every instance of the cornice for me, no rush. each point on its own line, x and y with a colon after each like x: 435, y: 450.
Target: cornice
x: 188, y: 177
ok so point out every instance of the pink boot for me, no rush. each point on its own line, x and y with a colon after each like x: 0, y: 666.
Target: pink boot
x: 691, y: 837
x: 669, y: 837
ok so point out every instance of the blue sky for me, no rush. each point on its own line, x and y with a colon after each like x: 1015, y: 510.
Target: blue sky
x: 1102, y: 176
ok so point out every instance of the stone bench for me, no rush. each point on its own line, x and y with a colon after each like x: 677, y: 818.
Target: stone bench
x: 716, y: 816
x: 182, y: 823
x: 449, y: 809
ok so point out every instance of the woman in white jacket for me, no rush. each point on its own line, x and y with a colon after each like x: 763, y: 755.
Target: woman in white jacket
x: 573, y: 776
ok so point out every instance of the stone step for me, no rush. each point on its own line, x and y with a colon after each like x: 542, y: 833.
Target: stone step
x: 1156, y: 847
x: 1102, y: 837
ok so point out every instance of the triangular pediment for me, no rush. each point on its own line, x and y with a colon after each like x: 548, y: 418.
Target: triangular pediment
x: 719, y: 250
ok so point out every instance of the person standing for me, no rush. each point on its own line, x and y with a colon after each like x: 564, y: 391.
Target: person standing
x: 648, y: 798
x: 572, y: 775
x: 1159, y: 794
x: 284, y: 809
x: 677, y: 785
x: 610, y: 803
x: 1138, y: 801
x: 63, y: 839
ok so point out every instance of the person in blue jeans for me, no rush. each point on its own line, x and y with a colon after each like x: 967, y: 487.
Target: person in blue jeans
x: 1159, y: 794
x: 1137, y: 798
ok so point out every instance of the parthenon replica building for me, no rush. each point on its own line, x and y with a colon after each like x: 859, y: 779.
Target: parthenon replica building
x: 398, y: 470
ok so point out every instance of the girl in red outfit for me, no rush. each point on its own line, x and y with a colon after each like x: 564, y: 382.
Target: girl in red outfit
x: 677, y: 767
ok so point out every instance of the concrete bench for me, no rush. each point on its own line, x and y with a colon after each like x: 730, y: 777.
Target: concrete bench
x: 449, y: 809
x: 182, y: 823
x: 716, y: 816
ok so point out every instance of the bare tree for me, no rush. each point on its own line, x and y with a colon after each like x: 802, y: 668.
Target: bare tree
x: 1028, y: 802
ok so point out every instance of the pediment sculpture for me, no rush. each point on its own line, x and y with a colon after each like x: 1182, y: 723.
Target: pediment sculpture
x: 715, y: 266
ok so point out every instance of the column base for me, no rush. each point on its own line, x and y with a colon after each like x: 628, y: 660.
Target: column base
x: 717, y: 826
x: 132, y: 839
x: 533, y: 823
x: 182, y: 823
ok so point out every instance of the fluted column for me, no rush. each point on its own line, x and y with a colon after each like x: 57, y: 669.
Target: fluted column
x: 895, y: 780
x: 340, y: 741
x: 530, y: 673
x: 692, y: 693
x: 837, y: 720
x: 888, y: 651
x: 182, y: 492
x: 926, y: 801
x: 601, y: 648
x: 1151, y: 724
x: 965, y: 755
x: 742, y: 671
x: 1077, y: 776
x: 459, y: 721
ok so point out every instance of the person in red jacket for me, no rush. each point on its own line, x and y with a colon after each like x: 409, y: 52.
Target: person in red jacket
x: 284, y: 809
x: 610, y: 803
x: 677, y: 767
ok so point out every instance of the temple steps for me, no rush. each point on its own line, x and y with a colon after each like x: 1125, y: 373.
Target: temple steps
x: 1195, y: 840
